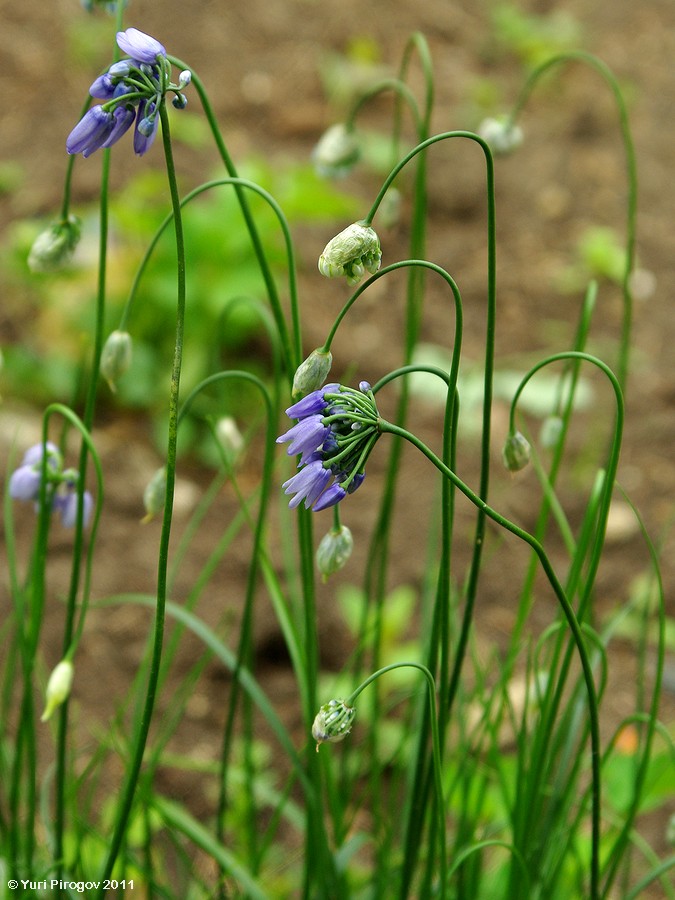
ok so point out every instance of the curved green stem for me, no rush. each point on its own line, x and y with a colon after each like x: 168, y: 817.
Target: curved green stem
x: 489, y: 512
x: 294, y: 353
x: 631, y: 173
x: 288, y: 241
x: 436, y: 749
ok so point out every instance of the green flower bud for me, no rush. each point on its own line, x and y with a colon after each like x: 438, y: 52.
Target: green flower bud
x: 501, y: 134
x: 516, y: 452
x: 336, y: 153
x: 351, y: 253
x: 551, y: 429
x: 230, y: 437
x: 116, y: 357
x: 154, y: 494
x: 53, y: 247
x: 58, y: 687
x: 312, y: 373
x: 333, y: 722
x: 334, y: 550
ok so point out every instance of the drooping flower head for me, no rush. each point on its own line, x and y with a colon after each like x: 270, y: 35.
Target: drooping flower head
x: 132, y: 91
x: 352, y: 253
x: 61, y: 487
x: 336, y: 430
x: 336, y: 152
x: 333, y: 722
x: 53, y: 248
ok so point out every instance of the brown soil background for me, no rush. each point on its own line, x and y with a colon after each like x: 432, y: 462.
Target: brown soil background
x: 568, y: 176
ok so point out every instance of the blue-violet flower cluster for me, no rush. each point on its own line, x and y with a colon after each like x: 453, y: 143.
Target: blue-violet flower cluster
x: 336, y: 430
x: 132, y: 91
x: 24, y: 483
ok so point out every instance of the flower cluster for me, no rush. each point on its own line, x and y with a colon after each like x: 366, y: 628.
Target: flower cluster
x: 24, y: 483
x: 132, y: 90
x: 352, y: 253
x: 337, y: 429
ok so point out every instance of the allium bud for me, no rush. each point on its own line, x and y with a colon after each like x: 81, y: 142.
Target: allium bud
x: 154, y: 495
x: 516, y: 452
x: 116, y: 357
x: 334, y: 550
x: 352, y: 253
x: 58, y: 687
x: 336, y: 152
x: 333, y: 722
x: 312, y: 373
x: 230, y: 437
x: 551, y: 429
x: 54, y: 247
x: 501, y: 134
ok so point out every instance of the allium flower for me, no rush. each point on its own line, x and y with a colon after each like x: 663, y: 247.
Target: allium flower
x: 139, y: 45
x: 132, y: 90
x: 352, y: 253
x: 91, y: 131
x: 336, y: 152
x: 333, y: 722
x: 336, y: 431
x: 25, y: 482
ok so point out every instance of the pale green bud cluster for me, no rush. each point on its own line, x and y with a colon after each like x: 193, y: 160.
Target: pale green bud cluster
x: 53, y: 248
x: 502, y: 135
x: 312, y: 373
x: 352, y: 253
x: 58, y: 688
x: 334, y: 550
x: 336, y: 152
x: 517, y: 451
x: 333, y: 722
x: 116, y: 357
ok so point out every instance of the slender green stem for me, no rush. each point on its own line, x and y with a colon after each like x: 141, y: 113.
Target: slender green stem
x: 489, y: 512
x: 292, y: 354
x: 141, y: 735
x: 436, y: 750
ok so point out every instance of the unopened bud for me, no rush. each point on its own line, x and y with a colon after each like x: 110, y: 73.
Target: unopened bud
x: 116, y: 357
x: 230, y: 437
x: 501, y: 134
x: 334, y: 550
x: 516, y: 452
x: 336, y: 152
x: 312, y: 373
x: 333, y: 722
x: 352, y: 253
x: 58, y: 688
x: 53, y: 248
x: 551, y: 429
x: 154, y: 495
